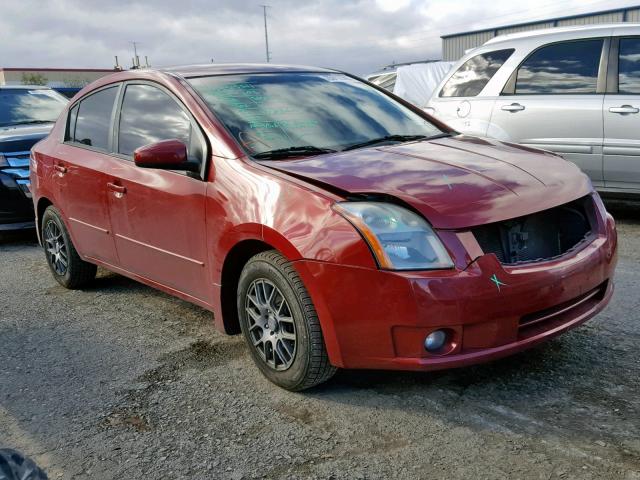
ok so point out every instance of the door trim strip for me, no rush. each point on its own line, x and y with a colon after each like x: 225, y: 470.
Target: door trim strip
x: 630, y: 151
x: 100, y: 229
x: 181, y: 257
x: 561, y: 148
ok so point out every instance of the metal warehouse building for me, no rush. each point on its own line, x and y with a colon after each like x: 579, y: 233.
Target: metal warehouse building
x: 454, y: 45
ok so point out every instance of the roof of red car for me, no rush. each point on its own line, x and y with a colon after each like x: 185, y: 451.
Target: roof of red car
x: 237, y: 68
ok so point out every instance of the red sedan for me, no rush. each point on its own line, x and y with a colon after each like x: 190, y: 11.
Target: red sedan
x: 330, y: 222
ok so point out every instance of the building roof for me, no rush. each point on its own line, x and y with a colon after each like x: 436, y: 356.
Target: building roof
x: 535, y: 22
x: 24, y: 87
x: 558, y: 30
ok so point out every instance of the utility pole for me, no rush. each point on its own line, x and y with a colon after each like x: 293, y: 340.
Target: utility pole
x: 266, y: 33
x: 136, y: 59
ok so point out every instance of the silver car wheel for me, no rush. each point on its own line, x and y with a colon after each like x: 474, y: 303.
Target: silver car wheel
x: 56, y: 248
x: 271, y: 326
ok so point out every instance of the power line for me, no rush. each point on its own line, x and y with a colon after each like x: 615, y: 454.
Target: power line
x: 266, y: 33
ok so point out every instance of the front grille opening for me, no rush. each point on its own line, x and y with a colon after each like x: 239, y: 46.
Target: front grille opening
x: 540, y: 236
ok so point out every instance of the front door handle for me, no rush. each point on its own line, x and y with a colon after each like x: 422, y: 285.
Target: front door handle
x: 119, y: 190
x: 514, y: 107
x: 60, y: 169
x: 624, y: 109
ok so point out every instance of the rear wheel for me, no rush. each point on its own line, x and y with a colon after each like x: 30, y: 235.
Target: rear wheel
x: 280, y: 324
x: 15, y: 466
x: 66, y: 265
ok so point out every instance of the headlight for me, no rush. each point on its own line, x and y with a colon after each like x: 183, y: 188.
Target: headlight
x: 399, y: 239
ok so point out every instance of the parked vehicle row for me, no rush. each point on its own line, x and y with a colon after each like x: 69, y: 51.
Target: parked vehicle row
x: 571, y: 90
x: 331, y: 224
x: 27, y: 114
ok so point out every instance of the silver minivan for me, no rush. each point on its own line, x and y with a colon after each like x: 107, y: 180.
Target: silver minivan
x: 573, y: 90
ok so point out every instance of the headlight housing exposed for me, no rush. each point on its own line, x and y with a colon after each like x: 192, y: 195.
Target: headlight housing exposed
x: 399, y: 238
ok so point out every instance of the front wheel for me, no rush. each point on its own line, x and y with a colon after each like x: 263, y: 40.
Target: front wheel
x: 67, y: 267
x: 280, y: 324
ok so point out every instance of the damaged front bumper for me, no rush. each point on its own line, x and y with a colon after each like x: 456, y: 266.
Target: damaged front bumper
x: 380, y: 319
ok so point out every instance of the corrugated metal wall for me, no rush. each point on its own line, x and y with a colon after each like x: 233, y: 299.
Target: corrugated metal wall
x: 454, y: 50
x: 633, y: 15
x: 524, y: 28
x: 593, y: 19
x: 454, y: 47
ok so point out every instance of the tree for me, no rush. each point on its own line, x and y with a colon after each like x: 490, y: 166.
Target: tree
x: 75, y: 82
x: 33, y: 79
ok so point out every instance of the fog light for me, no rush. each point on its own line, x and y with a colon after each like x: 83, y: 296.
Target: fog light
x: 435, y: 340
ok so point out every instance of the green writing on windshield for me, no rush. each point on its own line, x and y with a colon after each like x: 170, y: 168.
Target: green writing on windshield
x: 260, y: 111
x: 290, y: 124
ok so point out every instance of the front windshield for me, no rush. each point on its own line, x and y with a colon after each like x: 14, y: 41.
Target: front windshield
x: 325, y: 111
x: 23, y: 106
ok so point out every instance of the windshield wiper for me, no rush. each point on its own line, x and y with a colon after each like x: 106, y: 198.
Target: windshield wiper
x: 395, y: 138
x: 291, y: 152
x: 387, y: 138
x: 439, y: 135
x: 26, y: 122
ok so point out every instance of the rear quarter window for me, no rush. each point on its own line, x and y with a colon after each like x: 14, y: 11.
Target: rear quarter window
x: 71, y: 124
x: 474, y: 74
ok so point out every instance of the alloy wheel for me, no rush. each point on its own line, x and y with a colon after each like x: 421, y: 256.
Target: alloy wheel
x: 56, y: 248
x: 271, y: 326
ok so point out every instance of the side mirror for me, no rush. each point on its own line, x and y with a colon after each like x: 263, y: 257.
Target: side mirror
x: 165, y: 155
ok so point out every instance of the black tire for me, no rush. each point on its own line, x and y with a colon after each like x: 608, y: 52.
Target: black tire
x: 76, y: 273
x: 310, y: 363
x: 15, y: 466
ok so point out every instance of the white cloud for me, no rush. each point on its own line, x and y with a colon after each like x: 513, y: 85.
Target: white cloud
x: 392, y: 5
x: 354, y: 35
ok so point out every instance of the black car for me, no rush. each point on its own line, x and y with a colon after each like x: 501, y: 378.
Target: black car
x: 68, y: 92
x: 26, y: 115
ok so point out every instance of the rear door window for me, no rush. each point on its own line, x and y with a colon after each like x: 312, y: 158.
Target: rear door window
x: 92, y: 125
x: 474, y: 74
x: 629, y: 66
x: 561, y: 68
x: 149, y: 115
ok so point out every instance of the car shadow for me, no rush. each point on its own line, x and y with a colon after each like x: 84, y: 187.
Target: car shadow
x: 16, y: 237
x: 624, y: 210
x: 107, y: 281
x: 562, y: 388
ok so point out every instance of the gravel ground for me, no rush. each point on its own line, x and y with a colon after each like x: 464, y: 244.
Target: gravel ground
x: 121, y: 381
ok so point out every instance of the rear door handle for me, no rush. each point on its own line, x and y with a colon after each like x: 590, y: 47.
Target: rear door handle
x: 514, y: 107
x: 60, y: 169
x: 624, y: 109
x: 118, y: 189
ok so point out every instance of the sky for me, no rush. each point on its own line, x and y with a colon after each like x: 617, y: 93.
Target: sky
x: 359, y: 36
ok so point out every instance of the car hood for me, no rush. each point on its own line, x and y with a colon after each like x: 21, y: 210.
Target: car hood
x: 20, y: 138
x: 454, y: 182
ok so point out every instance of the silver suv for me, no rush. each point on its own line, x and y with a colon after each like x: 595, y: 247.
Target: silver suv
x: 574, y: 91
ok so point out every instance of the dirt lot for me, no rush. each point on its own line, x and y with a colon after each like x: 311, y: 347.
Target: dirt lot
x: 121, y: 381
